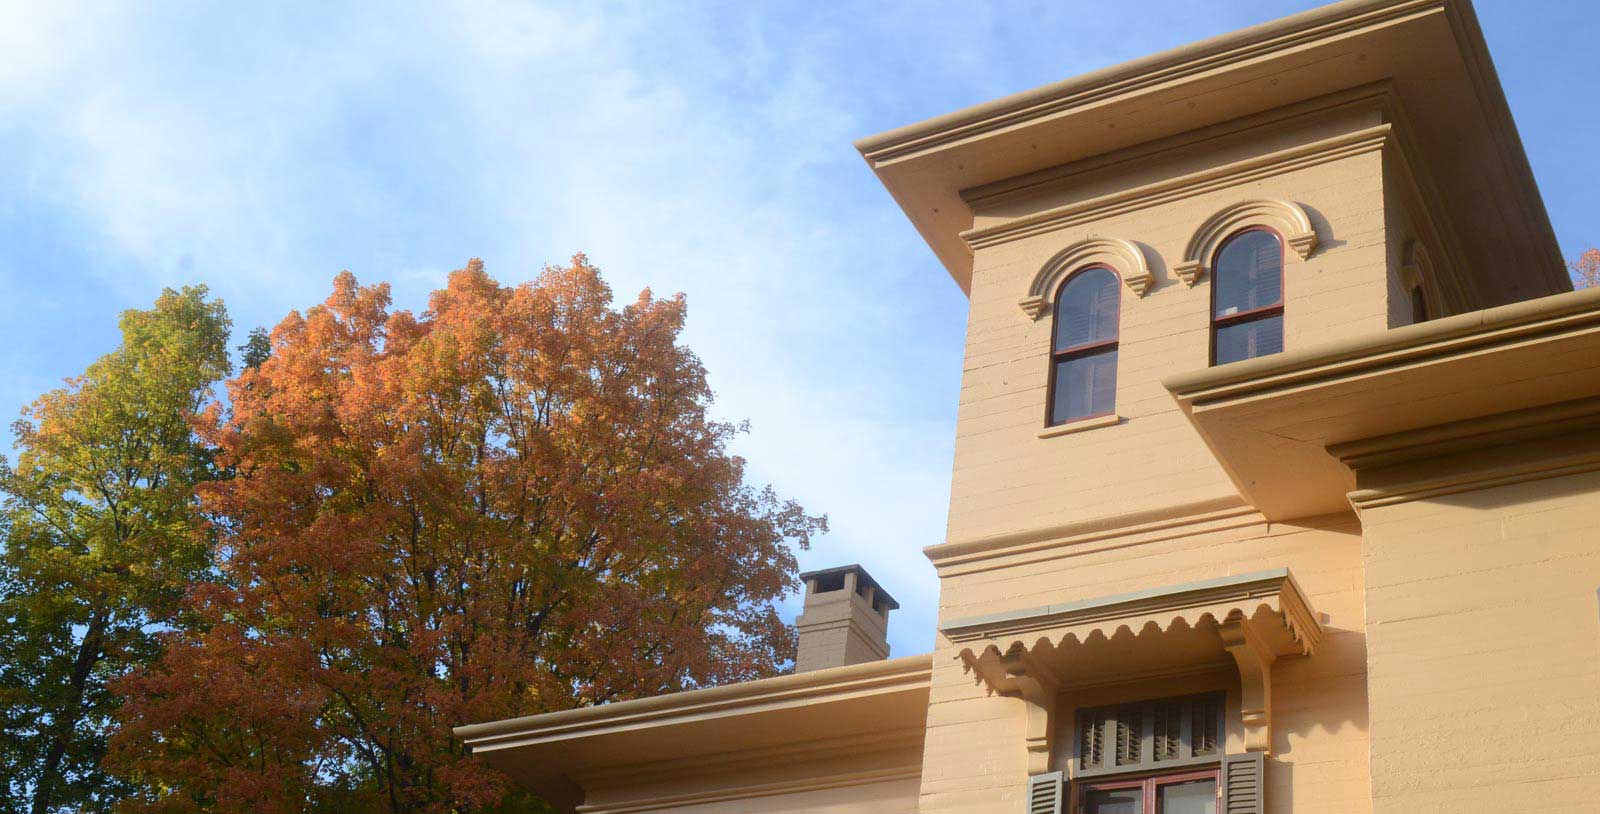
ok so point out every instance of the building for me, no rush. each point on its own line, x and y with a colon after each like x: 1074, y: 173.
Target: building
x: 1277, y: 472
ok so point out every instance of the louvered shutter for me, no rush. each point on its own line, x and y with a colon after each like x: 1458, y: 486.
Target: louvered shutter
x: 1045, y: 793
x: 1130, y: 735
x: 1244, y: 783
x: 1157, y: 734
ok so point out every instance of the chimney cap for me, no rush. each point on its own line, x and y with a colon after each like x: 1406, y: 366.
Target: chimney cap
x: 862, y: 578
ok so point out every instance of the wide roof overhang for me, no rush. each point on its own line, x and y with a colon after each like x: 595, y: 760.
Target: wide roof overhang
x: 553, y: 754
x: 1293, y: 429
x: 1431, y: 52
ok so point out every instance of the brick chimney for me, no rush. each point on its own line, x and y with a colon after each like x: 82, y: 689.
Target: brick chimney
x: 845, y: 619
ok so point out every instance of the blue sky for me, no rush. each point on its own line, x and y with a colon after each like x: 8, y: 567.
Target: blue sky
x: 702, y: 148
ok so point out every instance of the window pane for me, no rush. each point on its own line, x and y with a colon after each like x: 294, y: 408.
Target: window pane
x: 1249, y: 273
x: 1247, y: 340
x: 1193, y: 797
x: 1113, y: 801
x: 1086, y: 309
x: 1204, y: 723
x: 1085, y: 386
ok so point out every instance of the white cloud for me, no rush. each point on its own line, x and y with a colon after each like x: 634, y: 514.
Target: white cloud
x: 704, y: 150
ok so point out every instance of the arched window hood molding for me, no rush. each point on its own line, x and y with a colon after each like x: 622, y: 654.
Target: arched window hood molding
x: 1289, y: 220
x: 1121, y: 256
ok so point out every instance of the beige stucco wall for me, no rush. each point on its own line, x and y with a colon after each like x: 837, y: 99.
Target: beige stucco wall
x: 891, y: 797
x: 973, y: 759
x: 1007, y: 479
x: 861, y: 774
x: 1483, y: 636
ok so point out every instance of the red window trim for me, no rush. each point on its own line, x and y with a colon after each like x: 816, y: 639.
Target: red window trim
x: 1057, y: 356
x: 1265, y: 312
x: 1149, y: 783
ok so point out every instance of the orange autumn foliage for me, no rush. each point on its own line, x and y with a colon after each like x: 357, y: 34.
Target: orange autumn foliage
x: 1585, y: 271
x: 512, y: 503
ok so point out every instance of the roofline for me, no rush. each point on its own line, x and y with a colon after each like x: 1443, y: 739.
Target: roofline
x: 973, y: 627
x: 898, y: 155
x: 1135, y: 74
x: 1380, y: 348
x: 795, y: 689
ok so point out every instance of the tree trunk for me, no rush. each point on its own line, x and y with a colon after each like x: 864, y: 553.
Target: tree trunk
x: 66, y: 721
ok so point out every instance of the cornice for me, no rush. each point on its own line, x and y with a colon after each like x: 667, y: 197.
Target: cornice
x: 1028, y: 546
x: 1556, y: 463
x: 907, y: 673
x: 1473, y: 379
x: 1411, y: 345
x: 1549, y: 441
x: 1578, y: 415
x: 1431, y: 50
x: 1219, y: 599
x: 1312, y: 154
x: 1379, y: 96
x: 1130, y: 78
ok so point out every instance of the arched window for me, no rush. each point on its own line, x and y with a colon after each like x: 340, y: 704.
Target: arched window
x: 1247, y: 297
x: 1083, y: 353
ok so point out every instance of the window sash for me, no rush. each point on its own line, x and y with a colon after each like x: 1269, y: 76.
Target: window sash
x: 1220, y: 321
x: 1094, y: 320
x: 1100, y: 403
x: 1098, y: 316
x: 1149, y: 785
x: 1251, y: 287
x: 1258, y: 316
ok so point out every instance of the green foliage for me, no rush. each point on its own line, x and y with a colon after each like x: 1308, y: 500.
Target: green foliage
x: 257, y: 348
x: 100, y: 543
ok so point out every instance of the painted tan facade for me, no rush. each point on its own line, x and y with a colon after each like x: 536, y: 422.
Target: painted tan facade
x: 1378, y: 550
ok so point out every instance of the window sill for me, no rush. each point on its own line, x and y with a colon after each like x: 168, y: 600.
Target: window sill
x: 1080, y: 425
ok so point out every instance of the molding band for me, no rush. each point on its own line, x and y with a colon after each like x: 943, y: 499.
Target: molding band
x: 1354, y: 143
x: 1034, y: 545
x: 1124, y: 258
x: 1289, y: 220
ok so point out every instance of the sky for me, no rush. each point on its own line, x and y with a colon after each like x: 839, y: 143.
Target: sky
x: 702, y: 148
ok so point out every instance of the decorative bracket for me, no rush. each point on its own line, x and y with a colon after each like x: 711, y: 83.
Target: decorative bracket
x: 1018, y: 674
x: 1026, y: 678
x: 1254, y: 657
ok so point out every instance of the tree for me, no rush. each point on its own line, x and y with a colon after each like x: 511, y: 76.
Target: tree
x: 256, y: 348
x: 513, y: 503
x: 99, y: 543
x: 1585, y: 270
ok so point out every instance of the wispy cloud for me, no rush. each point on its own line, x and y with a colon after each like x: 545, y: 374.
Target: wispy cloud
x: 702, y: 148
